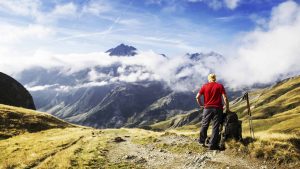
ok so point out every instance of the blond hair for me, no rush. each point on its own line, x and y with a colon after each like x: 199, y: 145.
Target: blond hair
x: 212, y: 77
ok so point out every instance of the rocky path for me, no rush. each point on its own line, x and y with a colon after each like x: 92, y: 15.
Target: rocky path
x: 114, y: 148
x: 153, y: 157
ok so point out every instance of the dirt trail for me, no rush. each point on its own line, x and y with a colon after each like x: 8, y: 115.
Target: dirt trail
x: 149, y: 156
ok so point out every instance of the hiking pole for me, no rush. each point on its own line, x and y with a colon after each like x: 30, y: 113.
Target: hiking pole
x: 246, y: 97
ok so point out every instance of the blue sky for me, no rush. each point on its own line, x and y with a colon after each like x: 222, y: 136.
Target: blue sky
x: 172, y: 27
x: 253, y: 35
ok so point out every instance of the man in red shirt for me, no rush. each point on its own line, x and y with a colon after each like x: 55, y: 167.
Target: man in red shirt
x: 213, y: 93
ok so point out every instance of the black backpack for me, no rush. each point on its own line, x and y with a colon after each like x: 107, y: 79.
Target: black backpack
x: 232, y: 127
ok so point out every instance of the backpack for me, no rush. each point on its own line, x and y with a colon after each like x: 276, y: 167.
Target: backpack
x: 232, y: 127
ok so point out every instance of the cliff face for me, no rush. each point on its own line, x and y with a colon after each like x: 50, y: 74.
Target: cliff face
x: 14, y: 94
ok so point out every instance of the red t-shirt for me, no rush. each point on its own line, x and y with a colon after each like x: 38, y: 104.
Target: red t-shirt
x: 212, y: 93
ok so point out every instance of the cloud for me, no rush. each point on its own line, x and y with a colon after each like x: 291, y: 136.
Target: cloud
x: 13, y: 34
x: 21, y: 7
x: 96, y: 7
x: 34, y: 9
x: 231, y: 4
x: 268, y: 54
x: 218, y: 4
x: 129, y: 22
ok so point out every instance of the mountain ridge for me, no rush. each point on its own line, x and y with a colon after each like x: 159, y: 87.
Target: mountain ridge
x: 122, y: 50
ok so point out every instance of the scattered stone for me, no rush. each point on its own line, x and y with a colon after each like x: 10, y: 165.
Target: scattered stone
x: 162, y: 151
x: 264, y: 167
x: 141, y: 161
x: 119, y: 139
x: 129, y: 157
x: 127, y: 136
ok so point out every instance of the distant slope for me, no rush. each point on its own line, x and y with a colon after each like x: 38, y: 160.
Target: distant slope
x: 15, y: 121
x: 193, y: 117
x: 168, y: 106
x: 13, y: 93
x: 276, y: 108
x: 120, y: 105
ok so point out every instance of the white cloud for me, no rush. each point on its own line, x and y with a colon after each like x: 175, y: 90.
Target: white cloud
x: 96, y: 8
x: 21, y: 7
x: 129, y: 22
x: 231, y: 4
x: 40, y: 88
x: 12, y: 34
x: 60, y: 11
x: 264, y: 56
x: 218, y: 4
x: 64, y: 10
x: 215, y: 4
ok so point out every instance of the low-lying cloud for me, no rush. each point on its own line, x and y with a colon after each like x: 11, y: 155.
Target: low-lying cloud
x: 264, y: 55
x: 270, y: 52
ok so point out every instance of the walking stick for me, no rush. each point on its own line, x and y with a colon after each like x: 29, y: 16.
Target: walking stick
x: 246, y: 97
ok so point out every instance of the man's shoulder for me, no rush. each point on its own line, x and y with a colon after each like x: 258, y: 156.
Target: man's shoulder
x: 205, y: 84
x: 219, y: 84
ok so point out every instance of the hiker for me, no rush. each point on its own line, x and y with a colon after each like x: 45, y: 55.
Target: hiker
x: 213, y: 93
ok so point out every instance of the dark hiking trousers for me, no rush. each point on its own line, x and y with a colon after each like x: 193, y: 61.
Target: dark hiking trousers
x: 214, y: 115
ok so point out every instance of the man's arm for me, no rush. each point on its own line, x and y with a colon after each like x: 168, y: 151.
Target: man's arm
x: 198, y: 98
x: 226, y: 102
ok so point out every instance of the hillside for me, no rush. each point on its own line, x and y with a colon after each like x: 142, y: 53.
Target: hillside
x: 274, y: 109
x: 13, y: 93
x: 276, y: 115
x: 16, y: 120
x: 39, y: 140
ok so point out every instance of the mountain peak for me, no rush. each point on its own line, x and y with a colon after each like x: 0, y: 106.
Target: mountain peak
x: 122, y: 50
x: 199, y: 56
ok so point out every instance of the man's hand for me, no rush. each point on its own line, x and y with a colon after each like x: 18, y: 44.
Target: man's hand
x: 226, y: 103
x: 198, y: 98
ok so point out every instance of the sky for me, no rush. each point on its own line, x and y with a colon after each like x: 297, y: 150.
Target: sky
x: 172, y: 27
x: 259, y: 38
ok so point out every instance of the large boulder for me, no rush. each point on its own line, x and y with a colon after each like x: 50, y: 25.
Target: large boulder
x: 13, y: 93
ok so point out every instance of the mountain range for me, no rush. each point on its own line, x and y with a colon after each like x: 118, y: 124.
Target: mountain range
x: 99, y: 96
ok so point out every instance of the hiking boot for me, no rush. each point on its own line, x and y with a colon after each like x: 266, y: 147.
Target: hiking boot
x: 203, y: 144
x: 214, y: 148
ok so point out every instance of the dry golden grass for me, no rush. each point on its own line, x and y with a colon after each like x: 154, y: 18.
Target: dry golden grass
x: 63, y: 148
x: 16, y: 120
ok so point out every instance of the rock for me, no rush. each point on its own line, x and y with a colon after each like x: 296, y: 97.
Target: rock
x: 162, y: 151
x: 141, y: 161
x: 14, y: 94
x: 119, y: 139
x: 129, y: 157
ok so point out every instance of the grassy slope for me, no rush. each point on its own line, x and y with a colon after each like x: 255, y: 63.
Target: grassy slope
x: 31, y: 139
x: 276, y: 114
x: 16, y: 120
x: 274, y: 109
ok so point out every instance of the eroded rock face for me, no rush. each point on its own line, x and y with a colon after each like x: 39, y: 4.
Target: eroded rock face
x: 13, y: 93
